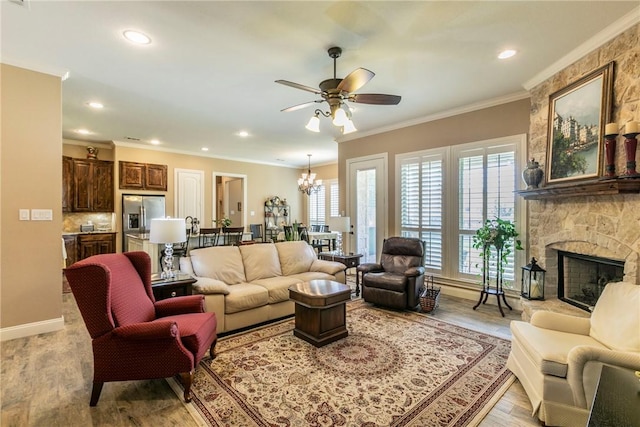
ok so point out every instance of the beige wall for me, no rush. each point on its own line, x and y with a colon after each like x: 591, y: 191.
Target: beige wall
x: 494, y: 122
x: 30, y: 178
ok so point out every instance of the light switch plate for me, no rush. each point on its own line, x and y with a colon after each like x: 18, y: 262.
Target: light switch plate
x: 41, y: 215
x: 24, y: 214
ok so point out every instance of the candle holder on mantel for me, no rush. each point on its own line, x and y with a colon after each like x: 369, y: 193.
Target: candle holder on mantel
x: 630, y: 146
x: 610, y: 155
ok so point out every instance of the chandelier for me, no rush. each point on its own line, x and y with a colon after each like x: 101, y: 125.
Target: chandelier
x: 307, y: 183
x: 341, y: 117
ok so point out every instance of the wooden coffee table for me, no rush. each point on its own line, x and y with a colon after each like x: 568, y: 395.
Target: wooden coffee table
x: 321, y: 311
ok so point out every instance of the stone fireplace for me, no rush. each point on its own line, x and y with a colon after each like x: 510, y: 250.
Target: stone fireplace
x: 584, y: 221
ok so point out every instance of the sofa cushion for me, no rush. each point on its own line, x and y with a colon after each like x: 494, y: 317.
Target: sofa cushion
x: 245, y: 296
x: 295, y: 257
x: 219, y: 262
x: 312, y: 275
x: 206, y: 285
x: 615, y: 320
x: 549, y: 349
x: 278, y: 287
x: 260, y: 261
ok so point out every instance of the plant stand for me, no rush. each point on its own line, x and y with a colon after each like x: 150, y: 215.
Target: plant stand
x: 488, y: 289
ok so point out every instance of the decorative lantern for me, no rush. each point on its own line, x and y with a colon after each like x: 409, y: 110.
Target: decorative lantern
x: 533, y: 281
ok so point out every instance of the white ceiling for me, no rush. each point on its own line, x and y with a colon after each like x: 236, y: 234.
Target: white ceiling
x: 210, y: 69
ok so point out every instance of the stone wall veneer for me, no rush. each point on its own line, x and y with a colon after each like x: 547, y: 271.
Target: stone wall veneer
x: 605, y: 226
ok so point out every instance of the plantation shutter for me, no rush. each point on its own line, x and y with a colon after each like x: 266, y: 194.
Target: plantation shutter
x: 317, y: 207
x: 421, y: 199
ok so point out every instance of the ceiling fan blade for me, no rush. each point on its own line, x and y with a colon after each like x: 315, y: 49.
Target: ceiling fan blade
x: 299, y: 86
x: 375, y: 98
x: 355, y: 80
x: 301, y: 106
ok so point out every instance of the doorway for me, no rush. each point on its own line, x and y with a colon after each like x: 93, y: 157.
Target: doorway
x: 367, y: 200
x: 230, y: 198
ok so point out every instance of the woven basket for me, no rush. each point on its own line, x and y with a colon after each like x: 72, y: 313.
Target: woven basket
x: 429, y: 296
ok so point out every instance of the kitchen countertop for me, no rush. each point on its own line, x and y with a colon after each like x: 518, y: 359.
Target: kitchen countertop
x: 141, y: 236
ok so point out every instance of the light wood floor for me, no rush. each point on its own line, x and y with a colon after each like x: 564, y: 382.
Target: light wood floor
x: 46, y: 379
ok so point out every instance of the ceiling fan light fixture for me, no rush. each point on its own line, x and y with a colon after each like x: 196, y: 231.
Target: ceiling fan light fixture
x: 348, y: 127
x: 314, y: 124
x: 340, y: 118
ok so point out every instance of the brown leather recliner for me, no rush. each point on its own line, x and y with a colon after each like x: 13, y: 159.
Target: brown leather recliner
x: 396, y: 281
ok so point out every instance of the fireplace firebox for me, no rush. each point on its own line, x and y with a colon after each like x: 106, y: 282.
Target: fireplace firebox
x: 582, y: 278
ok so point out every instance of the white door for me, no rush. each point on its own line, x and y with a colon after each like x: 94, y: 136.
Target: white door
x: 367, y: 200
x: 189, y: 194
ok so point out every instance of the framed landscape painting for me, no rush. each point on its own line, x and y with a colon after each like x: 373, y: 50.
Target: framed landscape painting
x: 577, y: 116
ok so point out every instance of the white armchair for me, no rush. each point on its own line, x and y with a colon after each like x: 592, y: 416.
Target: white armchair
x: 558, y: 358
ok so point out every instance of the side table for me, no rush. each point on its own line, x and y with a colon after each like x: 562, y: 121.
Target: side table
x: 179, y: 286
x: 349, y: 260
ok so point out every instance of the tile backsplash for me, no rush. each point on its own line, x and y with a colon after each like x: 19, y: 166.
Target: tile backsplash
x: 71, y: 222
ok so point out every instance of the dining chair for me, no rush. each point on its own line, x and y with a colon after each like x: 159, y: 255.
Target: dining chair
x: 232, y: 235
x: 256, y: 232
x: 208, y: 237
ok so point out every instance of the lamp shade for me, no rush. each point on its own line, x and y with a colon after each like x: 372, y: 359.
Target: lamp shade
x: 340, y: 224
x: 168, y: 230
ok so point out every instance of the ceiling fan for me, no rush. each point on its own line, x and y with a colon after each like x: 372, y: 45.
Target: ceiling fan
x: 336, y: 92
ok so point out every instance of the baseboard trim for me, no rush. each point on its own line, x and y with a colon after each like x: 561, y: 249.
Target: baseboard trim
x: 29, y: 329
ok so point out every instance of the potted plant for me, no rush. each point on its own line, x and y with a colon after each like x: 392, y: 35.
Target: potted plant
x: 499, y: 234
x: 223, y: 222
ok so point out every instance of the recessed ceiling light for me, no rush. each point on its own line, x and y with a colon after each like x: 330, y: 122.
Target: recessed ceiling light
x: 506, y: 54
x: 154, y: 142
x: 83, y: 132
x: 136, y: 37
x: 243, y: 133
x: 205, y: 149
x: 96, y: 105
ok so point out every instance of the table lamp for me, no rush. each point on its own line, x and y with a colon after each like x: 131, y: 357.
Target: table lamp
x: 341, y: 224
x: 168, y: 231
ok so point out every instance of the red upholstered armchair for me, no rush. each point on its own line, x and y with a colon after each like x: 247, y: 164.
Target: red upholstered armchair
x: 133, y: 336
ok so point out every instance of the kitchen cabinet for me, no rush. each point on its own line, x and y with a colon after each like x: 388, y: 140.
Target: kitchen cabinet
x: 70, y: 247
x: 143, y: 176
x: 87, y: 185
x: 67, y: 184
x: 95, y: 244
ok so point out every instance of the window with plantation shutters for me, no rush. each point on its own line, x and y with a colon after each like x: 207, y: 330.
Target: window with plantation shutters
x: 317, y: 207
x: 444, y: 195
x: 486, y: 190
x: 334, y: 199
x: 421, y: 204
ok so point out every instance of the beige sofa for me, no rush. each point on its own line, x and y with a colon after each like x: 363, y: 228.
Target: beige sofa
x: 558, y: 358
x: 246, y: 285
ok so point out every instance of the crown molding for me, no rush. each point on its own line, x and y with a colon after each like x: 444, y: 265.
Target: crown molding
x: 441, y: 115
x: 608, y: 33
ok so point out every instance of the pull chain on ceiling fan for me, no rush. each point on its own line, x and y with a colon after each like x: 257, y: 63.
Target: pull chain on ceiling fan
x: 336, y: 92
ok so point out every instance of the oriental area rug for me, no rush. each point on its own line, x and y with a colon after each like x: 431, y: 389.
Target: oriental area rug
x: 394, y: 369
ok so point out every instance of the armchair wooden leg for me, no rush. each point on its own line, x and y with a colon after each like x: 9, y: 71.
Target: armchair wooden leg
x: 187, y: 379
x: 212, y: 349
x: 95, y: 393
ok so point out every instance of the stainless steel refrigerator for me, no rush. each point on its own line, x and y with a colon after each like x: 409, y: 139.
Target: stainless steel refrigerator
x: 137, y: 212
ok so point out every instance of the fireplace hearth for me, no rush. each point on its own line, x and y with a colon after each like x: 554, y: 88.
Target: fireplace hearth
x: 582, y: 278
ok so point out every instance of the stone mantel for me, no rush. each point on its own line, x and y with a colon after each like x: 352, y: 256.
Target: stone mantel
x: 594, y: 187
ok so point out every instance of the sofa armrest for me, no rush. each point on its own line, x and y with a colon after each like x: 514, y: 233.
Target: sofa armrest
x: 329, y: 267
x: 179, y: 305
x: 186, y: 266
x: 369, y: 267
x: 207, y: 285
x: 414, y: 271
x: 583, y: 369
x: 561, y: 322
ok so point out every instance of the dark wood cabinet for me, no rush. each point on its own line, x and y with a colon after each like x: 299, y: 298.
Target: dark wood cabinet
x: 143, y: 176
x: 70, y: 247
x: 95, y: 244
x: 87, y: 185
x: 67, y: 184
x: 155, y: 177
